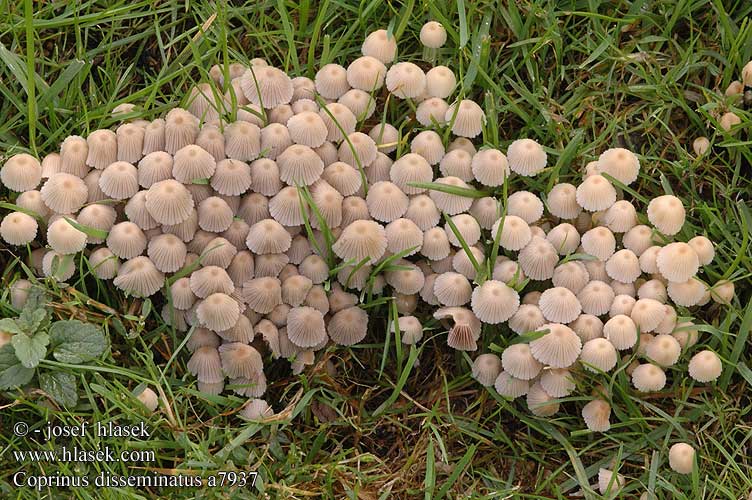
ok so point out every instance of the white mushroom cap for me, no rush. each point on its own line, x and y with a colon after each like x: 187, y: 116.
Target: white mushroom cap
x: 681, y: 458
x: 621, y: 331
x: 433, y: 35
x: 540, y: 403
x: 21, y: 172
x: 468, y: 120
x: 598, y: 354
x: 381, y: 45
x: 562, y: 201
x: 526, y: 157
x: 677, y: 262
x: 596, y: 415
x: 559, y: 305
x: 518, y: 361
x: 486, y: 368
x: 705, y: 366
x: 596, y: 193
x: 621, y: 164
x: 494, y: 302
x: 510, y: 387
x: 490, y: 167
x: 667, y: 214
x: 405, y: 80
x: 648, y: 378
x: 558, y: 348
x: 348, y: 326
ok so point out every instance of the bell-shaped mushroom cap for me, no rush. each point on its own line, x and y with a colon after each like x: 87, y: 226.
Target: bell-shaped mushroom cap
x: 508, y: 271
x: 331, y: 81
x: 557, y: 382
x: 467, y: 118
x: 486, y: 211
x: 58, y: 266
x: 621, y: 331
x: 448, y: 202
x: 623, y: 266
x: 587, y: 327
x: 559, y: 305
x: 525, y: 205
x: 263, y: 294
x: 558, y: 348
x: 386, y: 201
x: 385, y: 136
x: 168, y: 252
x: 538, y: 259
x: 515, y: 233
x: 486, y: 368
x: 102, y: 148
x: 265, y: 177
x: 218, y: 312
x: 256, y: 409
x: 621, y: 164
x: 599, y: 242
x: 149, y: 399
x: 509, y: 386
x: 154, y: 167
x: 527, y: 318
x: 462, y: 264
x: 622, y: 304
x: 366, y: 73
x: 664, y: 350
x: 211, y: 139
x: 193, y: 162
x: 206, y: 365
x: 407, y: 281
x: 540, y: 403
x: 50, y: 165
x: 21, y: 172
x: 526, y: 157
x: 154, y: 137
x: 433, y: 35
x: 609, y: 483
x: 572, y: 276
x: 139, y: 276
x: 126, y: 240
x: 452, y: 289
x: 648, y: 378
x: 565, y: 238
x: 457, y: 163
x: 402, y: 235
x: 103, y: 263
x: 440, y: 82
x: 32, y: 201
x: 428, y: 145
x: 308, y: 129
x: 361, y: 239
x: 653, y: 289
x: 703, y: 247
x: 299, y: 249
x: 270, y: 264
x: 410, y: 328
x: 305, y: 327
x: 411, y: 168
x: 359, y: 102
x: 231, y: 177
x: 435, y: 244
x: 423, y: 212
x: 180, y: 129
x: 638, y: 239
x: 723, y: 292
x: 490, y: 167
x: 236, y: 233
x: 299, y: 164
x: 432, y: 111
x: 596, y: 415
x: 379, y: 170
x: 339, y: 121
x: 240, y: 360
x: 18, y: 228
x: 705, y: 366
x: 562, y: 201
x: 64, y: 193
x: 285, y: 207
x: 209, y: 280
x: 73, y: 153
x: 214, y: 214
x: 681, y: 458
x: 466, y: 329
x: 494, y: 302
x: 348, y: 326
x: 466, y: 227
x: 135, y: 209
x: 241, y: 268
x: 169, y: 202
x: 295, y: 289
x: 242, y: 141
x: 405, y: 80
x: 119, y: 180
x: 380, y: 45
x: 181, y: 295
x: 596, y: 193
x: 358, y: 149
x: 519, y: 362
x: 647, y: 314
x: 687, y: 293
x: 268, y: 236
x: 677, y: 262
x: 275, y: 138
x: 315, y: 268
x: 304, y: 88
x: 667, y: 214
x: 130, y: 142
x: 598, y: 354
x: 620, y: 217
x: 266, y: 86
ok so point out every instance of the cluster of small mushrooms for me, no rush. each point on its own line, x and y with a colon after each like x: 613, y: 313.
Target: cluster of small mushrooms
x: 270, y: 206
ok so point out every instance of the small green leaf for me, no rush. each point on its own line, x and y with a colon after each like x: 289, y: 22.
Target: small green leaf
x: 30, y: 350
x: 60, y: 386
x: 36, y: 299
x: 455, y: 190
x: 89, y: 231
x: 75, y: 342
x: 12, y: 372
x: 9, y: 325
x: 31, y: 321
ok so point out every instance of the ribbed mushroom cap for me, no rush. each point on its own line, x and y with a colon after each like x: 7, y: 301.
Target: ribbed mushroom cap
x: 175, y: 318
x: 462, y: 263
x: 32, y: 201
x: 723, y: 292
x: 599, y: 242
x: 677, y: 262
x: 494, y: 302
x: 379, y: 170
x: 265, y: 177
x: 648, y: 378
x: 214, y: 214
x: 596, y: 193
x: 407, y: 281
x: 621, y: 164
x: 526, y: 157
x: 432, y: 111
x: 538, y: 259
x: 307, y: 128
x: 410, y: 328
x: 135, y: 210
x: 168, y: 252
x: 268, y: 236
x: 451, y: 203
x: 236, y: 233
x: 703, y: 247
x: 102, y: 148
x: 270, y: 264
x: 664, y: 350
x: 562, y: 201
x: 21, y: 172
x: 558, y: 348
x: 126, y: 240
x: 64, y: 193
x: 621, y: 331
x: 515, y: 233
x: 361, y: 239
x: 381, y: 45
x: 403, y: 234
x: 527, y: 318
x: 486, y: 211
x: 386, y: 201
x: 256, y: 409
x: 525, y: 205
x: 209, y: 280
x: 457, y: 163
x: 181, y: 295
x: 263, y: 294
x: 405, y: 80
x: 149, y: 399
x: 206, y: 365
x: 667, y: 214
x: 440, y: 83
x: 119, y: 180
x: 295, y: 290
x: 559, y: 305
x: 366, y: 73
x: 218, y: 312
x: 687, y: 293
x: 596, y: 415
x: 638, y: 239
x: 385, y: 136
x: 339, y: 121
x: 139, y: 276
x: 304, y: 88
x: 433, y: 35
x: 169, y: 202
x: 193, y: 162
x: 609, y: 483
x: 231, y: 177
x: 359, y: 102
x: 240, y: 360
x: 571, y: 275
x: 423, y: 212
x: 681, y: 458
x: 154, y: 167
x: 154, y: 137
x: 266, y: 86
x: 348, y: 326
x: 411, y: 168
x: 490, y: 167
x: 103, y: 263
x: 623, y: 266
x: 435, y: 244
x: 275, y: 138
x: 705, y: 366
x: 305, y: 327
x: 73, y: 153
x: 557, y: 382
x: 468, y: 119
x: 211, y: 139
x: 467, y: 228
x: 50, y: 165
x: 299, y: 164
x: 653, y: 289
x: 598, y: 354
x: 647, y: 314
x: 358, y: 150
x: 452, y: 289
x: 462, y: 143
x: 587, y: 327
x: 130, y: 142
x: 621, y: 216
x: 314, y: 268
x: 466, y: 329
x: 428, y: 145
x: 540, y: 403
x: 510, y: 387
x: 331, y: 81
x: 18, y: 228
x: 622, y: 304
x: 564, y: 237
x: 57, y: 266
x: 486, y: 368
